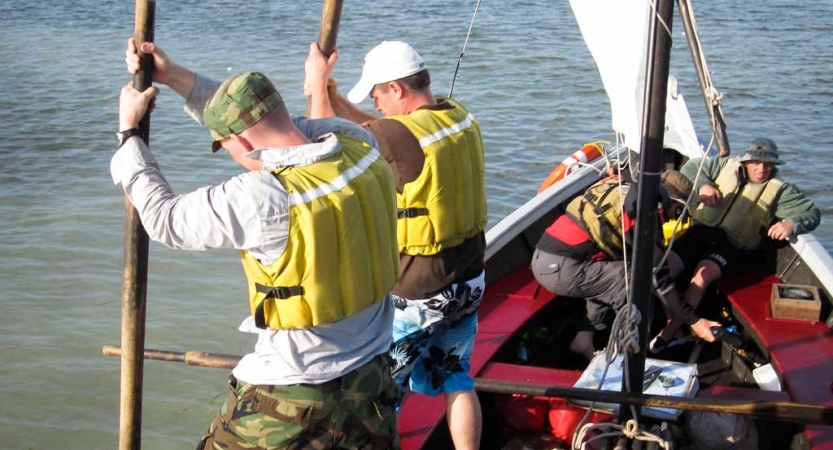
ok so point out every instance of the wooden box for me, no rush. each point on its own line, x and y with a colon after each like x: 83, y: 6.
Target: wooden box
x: 797, y: 302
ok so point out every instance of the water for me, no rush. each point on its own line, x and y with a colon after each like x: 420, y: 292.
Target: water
x: 526, y: 76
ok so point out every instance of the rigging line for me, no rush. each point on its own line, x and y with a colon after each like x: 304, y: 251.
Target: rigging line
x: 463, y: 51
x: 653, y: 4
x: 714, y: 96
x: 687, y: 210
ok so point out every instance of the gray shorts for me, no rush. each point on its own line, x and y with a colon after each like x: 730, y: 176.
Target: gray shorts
x: 600, y: 283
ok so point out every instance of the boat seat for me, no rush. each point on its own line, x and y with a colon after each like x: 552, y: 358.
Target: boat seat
x: 802, y: 352
x: 517, y: 373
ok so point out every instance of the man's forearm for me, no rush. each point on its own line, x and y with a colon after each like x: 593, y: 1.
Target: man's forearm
x: 346, y: 110
x: 181, y: 80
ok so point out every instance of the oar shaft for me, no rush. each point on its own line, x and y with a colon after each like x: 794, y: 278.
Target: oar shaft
x: 212, y: 360
x: 764, y: 410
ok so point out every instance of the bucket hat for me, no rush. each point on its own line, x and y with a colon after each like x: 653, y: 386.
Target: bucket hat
x: 762, y: 150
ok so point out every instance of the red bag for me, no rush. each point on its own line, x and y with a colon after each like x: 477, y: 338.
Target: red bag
x: 564, y: 418
x: 523, y: 412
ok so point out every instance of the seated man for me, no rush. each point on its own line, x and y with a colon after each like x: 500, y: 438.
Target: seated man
x: 740, y: 202
x: 581, y: 254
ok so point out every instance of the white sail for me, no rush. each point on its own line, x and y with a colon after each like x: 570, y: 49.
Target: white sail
x: 616, y: 33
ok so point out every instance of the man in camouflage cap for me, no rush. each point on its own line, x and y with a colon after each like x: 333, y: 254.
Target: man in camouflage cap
x: 310, y: 283
x: 740, y: 204
x: 240, y: 102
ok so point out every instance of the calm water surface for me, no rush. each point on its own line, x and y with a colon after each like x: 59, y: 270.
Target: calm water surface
x: 526, y: 76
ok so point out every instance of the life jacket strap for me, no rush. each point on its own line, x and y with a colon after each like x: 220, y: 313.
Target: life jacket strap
x: 279, y: 292
x: 409, y: 213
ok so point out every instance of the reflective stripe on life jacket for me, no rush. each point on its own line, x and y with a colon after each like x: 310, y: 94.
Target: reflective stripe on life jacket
x: 341, y: 255
x: 446, y: 203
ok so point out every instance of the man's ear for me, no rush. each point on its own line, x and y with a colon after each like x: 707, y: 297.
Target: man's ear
x: 241, y: 141
x: 397, y: 88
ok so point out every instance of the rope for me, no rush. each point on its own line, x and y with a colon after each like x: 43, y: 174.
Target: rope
x: 659, y: 18
x: 465, y: 44
x: 630, y: 430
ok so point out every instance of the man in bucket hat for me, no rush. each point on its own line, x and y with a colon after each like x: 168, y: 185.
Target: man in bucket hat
x: 435, y: 149
x: 740, y: 204
x: 317, y: 203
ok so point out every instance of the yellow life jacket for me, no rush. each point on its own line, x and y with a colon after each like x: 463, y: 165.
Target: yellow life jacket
x: 599, y: 211
x: 341, y: 254
x: 675, y: 228
x: 744, y: 209
x: 446, y: 203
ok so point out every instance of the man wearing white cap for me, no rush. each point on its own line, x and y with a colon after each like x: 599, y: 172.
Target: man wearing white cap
x: 435, y: 149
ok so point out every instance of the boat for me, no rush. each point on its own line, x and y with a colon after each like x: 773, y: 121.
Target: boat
x: 522, y: 368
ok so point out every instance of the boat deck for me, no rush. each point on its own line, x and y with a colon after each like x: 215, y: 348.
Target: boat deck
x: 801, y: 351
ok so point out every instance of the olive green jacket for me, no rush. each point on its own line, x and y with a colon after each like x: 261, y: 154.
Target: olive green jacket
x: 791, y: 205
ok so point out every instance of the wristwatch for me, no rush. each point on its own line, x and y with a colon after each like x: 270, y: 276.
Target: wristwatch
x: 123, y: 136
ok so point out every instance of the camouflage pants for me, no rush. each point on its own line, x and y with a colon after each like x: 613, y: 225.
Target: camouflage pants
x: 355, y: 411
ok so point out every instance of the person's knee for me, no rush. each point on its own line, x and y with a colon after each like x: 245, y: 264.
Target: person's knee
x: 675, y: 264
x: 582, y: 344
x: 707, y: 271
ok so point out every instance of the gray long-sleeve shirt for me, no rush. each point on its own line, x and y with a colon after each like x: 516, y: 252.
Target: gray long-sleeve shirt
x: 251, y: 212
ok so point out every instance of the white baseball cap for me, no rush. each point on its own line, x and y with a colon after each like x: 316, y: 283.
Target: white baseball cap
x: 388, y: 61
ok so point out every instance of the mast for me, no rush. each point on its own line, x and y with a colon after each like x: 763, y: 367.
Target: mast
x: 650, y: 162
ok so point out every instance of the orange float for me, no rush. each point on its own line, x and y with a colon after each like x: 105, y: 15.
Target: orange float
x: 587, y: 154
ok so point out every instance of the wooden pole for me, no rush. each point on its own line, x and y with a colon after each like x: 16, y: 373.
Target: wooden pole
x: 134, y: 288
x: 328, y: 32
x: 330, y: 18
x: 763, y: 410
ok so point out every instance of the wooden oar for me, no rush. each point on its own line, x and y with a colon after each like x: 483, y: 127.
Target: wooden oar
x: 328, y: 32
x: 764, y: 410
x: 134, y: 289
x: 212, y: 360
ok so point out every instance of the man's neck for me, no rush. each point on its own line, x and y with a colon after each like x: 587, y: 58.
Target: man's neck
x: 420, y: 99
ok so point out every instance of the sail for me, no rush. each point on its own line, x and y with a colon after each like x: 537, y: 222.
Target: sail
x: 616, y: 33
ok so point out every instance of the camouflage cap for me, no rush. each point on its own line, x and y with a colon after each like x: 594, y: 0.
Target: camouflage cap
x: 676, y: 184
x: 240, y: 102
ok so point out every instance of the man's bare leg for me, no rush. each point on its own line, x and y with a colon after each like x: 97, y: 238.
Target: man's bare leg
x: 464, y: 419
x: 705, y: 274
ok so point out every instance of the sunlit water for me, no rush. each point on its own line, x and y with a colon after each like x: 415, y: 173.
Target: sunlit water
x: 526, y: 76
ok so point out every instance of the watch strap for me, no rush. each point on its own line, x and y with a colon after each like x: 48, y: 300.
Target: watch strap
x: 123, y: 136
